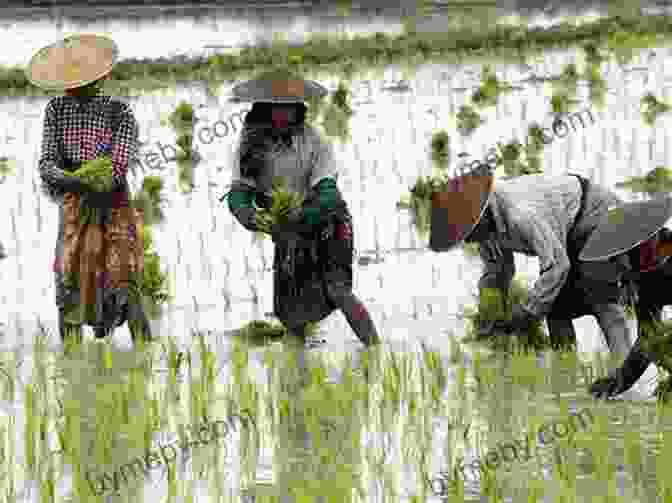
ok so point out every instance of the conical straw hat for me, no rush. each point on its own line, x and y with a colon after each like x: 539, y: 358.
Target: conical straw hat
x: 72, y: 62
x: 457, y: 210
x: 278, y: 87
x: 625, y: 227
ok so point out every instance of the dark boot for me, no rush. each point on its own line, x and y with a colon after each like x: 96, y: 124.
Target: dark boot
x: 356, y: 314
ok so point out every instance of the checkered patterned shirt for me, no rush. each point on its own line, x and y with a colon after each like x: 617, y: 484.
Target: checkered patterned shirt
x: 80, y: 131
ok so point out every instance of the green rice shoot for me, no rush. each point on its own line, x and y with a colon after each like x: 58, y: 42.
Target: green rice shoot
x: 494, y: 305
x: 283, y: 201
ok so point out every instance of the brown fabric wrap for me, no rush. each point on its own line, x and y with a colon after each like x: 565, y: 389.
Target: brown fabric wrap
x: 101, y: 256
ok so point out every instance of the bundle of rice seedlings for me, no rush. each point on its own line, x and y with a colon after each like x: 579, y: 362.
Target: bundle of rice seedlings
x: 97, y: 173
x: 150, y: 200
x: 341, y: 98
x: 657, y: 342
x: 440, y: 149
x: 487, y: 95
x: 283, y: 201
x: 261, y: 331
x: 655, y: 181
x: 468, y: 120
x: 652, y: 108
x: 186, y: 144
x: 153, y: 288
x: 6, y: 168
x: 336, y: 123
x: 494, y: 305
x: 183, y: 117
x: 471, y: 249
x: 419, y: 201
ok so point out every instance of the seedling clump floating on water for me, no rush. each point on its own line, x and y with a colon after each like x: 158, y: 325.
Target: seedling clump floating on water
x: 655, y: 181
x: 183, y: 117
x: 440, y: 148
x: 487, y: 95
x: 468, y: 120
x: 652, y: 108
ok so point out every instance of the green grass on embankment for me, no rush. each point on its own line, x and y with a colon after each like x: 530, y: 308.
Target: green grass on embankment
x: 328, y: 55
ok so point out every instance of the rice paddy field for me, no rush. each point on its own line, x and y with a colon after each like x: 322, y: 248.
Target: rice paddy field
x: 220, y: 410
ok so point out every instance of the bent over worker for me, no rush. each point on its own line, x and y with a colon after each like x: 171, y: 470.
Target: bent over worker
x: 633, y: 246
x: 549, y: 217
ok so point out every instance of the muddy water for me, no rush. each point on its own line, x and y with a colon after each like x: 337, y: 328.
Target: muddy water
x: 218, y: 271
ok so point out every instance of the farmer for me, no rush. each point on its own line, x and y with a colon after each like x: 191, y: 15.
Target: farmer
x: 539, y: 215
x: 634, y: 246
x: 77, y: 127
x: 314, y: 250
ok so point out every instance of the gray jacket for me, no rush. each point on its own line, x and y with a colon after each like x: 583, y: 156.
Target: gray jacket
x: 534, y: 215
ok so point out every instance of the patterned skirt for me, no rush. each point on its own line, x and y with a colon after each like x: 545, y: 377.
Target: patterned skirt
x: 306, y: 270
x: 107, y: 262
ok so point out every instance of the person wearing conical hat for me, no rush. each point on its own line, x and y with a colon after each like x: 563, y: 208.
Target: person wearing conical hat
x: 549, y: 217
x: 313, y: 263
x: 633, y: 245
x: 81, y: 125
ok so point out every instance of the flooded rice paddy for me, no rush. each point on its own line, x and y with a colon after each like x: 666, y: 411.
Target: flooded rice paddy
x: 386, y: 426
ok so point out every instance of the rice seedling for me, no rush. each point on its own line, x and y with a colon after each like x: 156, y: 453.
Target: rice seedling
x: 656, y: 181
x: 651, y: 108
x: 186, y: 144
x: 420, y: 201
x: 336, y: 123
x: 341, y: 98
x: 487, y: 95
x: 97, y: 174
x: 7, y: 168
x: 564, y: 90
x: 150, y: 200
x: 511, y: 156
x: 183, y: 118
x: 440, y: 149
x: 283, y: 201
x: 493, y: 305
x: 468, y: 120
x: 471, y: 250
x: 592, y: 73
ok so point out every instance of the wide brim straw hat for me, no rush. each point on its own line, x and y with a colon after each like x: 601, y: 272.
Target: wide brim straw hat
x: 457, y: 210
x: 625, y: 227
x: 73, y: 62
x: 278, y: 87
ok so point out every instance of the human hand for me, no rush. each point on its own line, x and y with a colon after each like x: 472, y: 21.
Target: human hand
x: 607, y: 387
x: 521, y: 321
